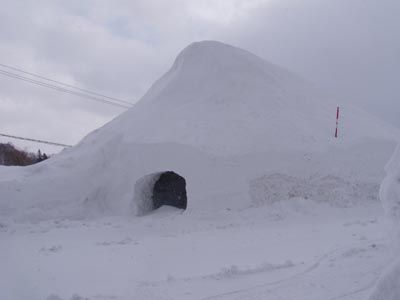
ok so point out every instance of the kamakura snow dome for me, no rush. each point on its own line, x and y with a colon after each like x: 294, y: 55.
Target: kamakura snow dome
x: 220, y: 118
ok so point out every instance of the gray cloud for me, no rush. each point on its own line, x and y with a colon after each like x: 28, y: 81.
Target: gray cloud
x: 349, y: 47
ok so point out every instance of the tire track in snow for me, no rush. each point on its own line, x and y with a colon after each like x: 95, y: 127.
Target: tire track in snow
x: 305, y: 272
x: 294, y: 276
x: 360, y: 290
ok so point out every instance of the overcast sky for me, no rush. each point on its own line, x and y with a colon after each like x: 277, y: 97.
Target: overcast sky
x: 349, y: 47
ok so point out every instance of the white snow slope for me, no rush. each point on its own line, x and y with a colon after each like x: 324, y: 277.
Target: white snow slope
x: 277, y: 207
x: 220, y: 117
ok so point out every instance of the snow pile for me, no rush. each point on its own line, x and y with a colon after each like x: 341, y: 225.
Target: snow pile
x: 388, y: 288
x: 225, y: 101
x: 337, y: 191
x: 219, y: 117
x: 390, y: 189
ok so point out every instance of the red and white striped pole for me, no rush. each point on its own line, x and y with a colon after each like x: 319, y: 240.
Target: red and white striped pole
x: 337, y: 122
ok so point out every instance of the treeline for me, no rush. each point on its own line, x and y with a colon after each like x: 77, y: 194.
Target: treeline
x: 12, y: 156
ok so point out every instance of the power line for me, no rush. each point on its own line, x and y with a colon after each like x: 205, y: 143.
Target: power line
x: 61, y: 89
x: 34, y: 140
x: 65, y: 84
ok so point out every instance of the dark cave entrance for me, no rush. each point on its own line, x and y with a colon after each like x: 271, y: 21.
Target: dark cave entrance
x: 169, y: 189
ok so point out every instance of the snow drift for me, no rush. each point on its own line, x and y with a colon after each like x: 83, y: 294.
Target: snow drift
x: 220, y: 117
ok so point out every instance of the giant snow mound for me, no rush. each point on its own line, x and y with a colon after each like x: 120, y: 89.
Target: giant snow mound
x: 225, y: 100
x: 219, y: 117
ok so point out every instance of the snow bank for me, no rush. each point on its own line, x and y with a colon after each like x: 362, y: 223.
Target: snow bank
x: 390, y: 189
x: 388, y: 288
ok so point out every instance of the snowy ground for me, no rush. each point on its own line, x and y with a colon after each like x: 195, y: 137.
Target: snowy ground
x: 294, y: 250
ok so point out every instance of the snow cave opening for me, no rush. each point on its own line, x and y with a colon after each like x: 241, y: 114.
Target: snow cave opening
x: 159, y: 189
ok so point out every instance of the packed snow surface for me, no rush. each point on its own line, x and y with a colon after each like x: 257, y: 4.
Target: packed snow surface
x: 294, y: 250
x: 277, y: 207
